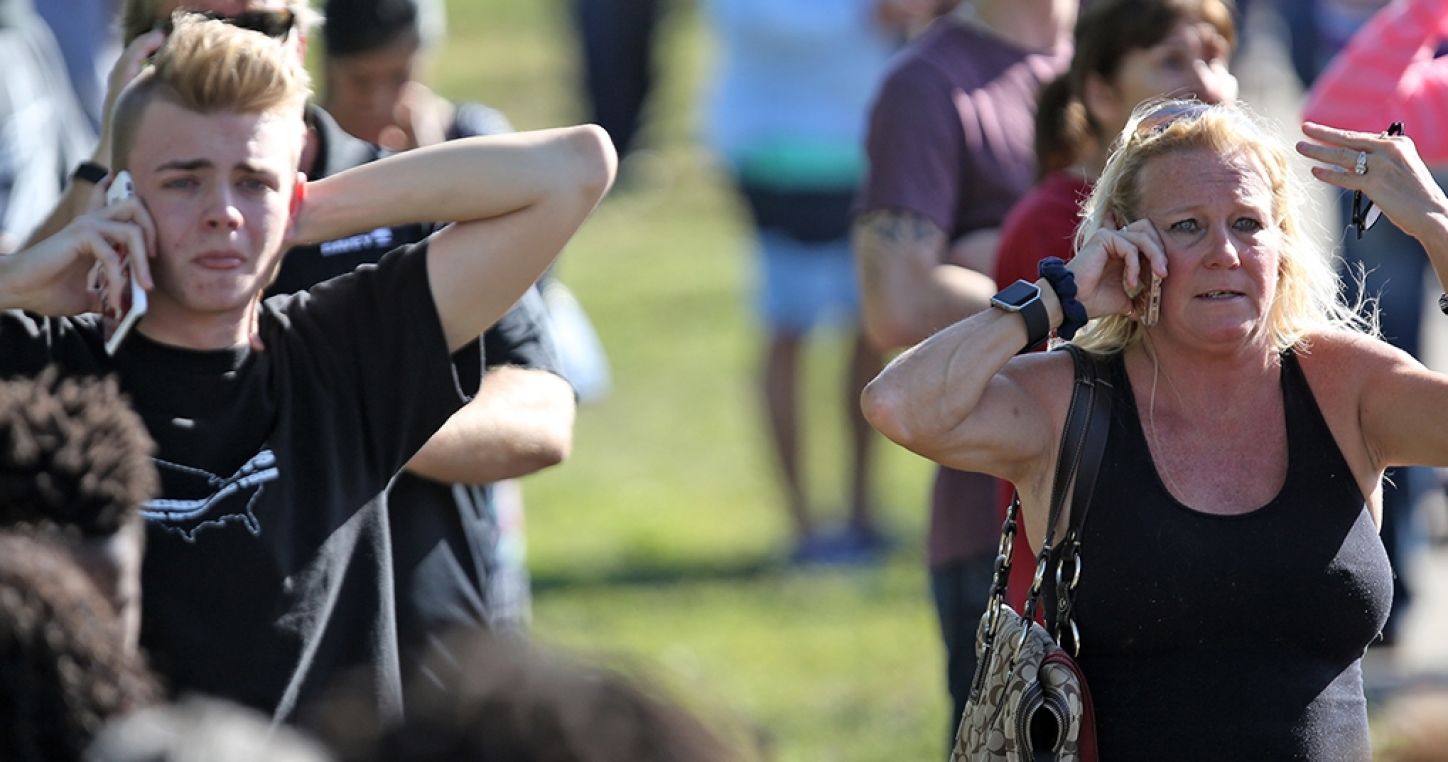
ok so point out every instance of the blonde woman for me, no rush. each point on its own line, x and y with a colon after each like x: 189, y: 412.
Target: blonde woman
x: 1232, y: 571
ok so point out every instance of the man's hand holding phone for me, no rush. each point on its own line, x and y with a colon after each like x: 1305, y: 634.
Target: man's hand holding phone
x: 54, y: 275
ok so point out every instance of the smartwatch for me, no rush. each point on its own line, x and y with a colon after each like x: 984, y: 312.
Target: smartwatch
x: 90, y: 172
x: 1024, y: 297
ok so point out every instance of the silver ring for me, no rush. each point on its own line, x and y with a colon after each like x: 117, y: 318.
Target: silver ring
x: 1361, y: 167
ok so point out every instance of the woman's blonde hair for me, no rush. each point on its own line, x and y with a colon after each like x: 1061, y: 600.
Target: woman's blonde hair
x: 1309, y: 294
x: 208, y: 66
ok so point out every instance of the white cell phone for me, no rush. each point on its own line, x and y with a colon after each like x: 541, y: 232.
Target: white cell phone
x: 116, y: 324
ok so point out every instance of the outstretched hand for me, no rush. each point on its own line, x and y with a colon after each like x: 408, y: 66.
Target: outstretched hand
x: 51, y: 277
x: 1114, y: 267
x: 1395, y: 178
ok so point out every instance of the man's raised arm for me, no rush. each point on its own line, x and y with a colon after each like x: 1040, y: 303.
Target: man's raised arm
x: 519, y: 422
x: 515, y: 201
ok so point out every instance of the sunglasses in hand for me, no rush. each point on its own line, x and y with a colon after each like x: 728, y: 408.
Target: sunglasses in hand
x: 1365, y: 213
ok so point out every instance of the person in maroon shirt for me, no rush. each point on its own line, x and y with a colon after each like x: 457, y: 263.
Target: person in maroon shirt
x: 950, y: 149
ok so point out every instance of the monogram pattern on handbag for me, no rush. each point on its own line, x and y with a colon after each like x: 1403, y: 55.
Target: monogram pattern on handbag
x: 996, y: 723
x: 1024, y: 680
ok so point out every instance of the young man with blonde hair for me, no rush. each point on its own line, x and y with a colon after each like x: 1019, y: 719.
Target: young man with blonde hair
x: 278, y: 423
x: 457, y: 541
x: 143, y: 29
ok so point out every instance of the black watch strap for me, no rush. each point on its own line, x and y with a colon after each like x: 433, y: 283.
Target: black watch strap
x: 90, y: 172
x: 1038, y: 322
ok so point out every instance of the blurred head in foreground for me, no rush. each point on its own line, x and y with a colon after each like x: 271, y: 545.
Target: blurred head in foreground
x: 63, y: 670
x: 513, y: 701
x: 75, y: 462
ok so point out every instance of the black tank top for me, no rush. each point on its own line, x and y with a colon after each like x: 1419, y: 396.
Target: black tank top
x: 1240, y: 637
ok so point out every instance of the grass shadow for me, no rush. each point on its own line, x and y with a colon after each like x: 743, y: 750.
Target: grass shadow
x: 655, y: 573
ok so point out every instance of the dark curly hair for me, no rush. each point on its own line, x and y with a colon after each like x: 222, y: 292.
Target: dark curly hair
x: 63, y: 665
x: 72, y: 454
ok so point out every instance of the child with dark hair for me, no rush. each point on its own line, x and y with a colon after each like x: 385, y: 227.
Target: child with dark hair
x: 63, y: 670
x: 458, y: 538
x: 377, y: 53
x: 75, y: 460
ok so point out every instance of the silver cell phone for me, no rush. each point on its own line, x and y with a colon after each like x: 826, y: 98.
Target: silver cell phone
x: 116, y: 324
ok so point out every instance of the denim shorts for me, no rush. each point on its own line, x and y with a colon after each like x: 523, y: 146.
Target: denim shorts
x: 802, y: 284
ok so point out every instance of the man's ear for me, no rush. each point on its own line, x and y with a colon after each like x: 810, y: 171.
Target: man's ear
x: 299, y: 194
x: 296, y: 207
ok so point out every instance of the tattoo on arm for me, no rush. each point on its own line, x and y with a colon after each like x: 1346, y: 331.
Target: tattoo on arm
x: 885, y: 235
x: 896, y: 254
x: 900, y: 227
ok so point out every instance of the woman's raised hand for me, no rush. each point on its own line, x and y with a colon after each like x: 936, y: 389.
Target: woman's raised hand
x: 1392, y: 176
x: 1114, y: 267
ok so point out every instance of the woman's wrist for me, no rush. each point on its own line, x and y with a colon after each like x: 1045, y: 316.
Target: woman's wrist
x: 1432, y: 235
x: 1070, y: 315
x: 1052, y: 302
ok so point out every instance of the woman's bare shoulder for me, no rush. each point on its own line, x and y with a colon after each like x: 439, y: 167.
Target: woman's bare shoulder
x: 1349, y: 353
x: 1341, y: 366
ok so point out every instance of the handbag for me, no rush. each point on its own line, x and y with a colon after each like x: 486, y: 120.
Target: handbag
x: 1028, y: 699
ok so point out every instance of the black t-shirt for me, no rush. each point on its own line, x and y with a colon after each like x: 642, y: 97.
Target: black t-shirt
x: 268, y: 565
x: 445, y: 537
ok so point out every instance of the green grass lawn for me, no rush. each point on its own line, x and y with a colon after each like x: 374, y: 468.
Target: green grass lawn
x: 654, y: 544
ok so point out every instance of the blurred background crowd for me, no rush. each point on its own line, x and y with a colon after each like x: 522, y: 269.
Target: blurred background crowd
x: 726, y: 525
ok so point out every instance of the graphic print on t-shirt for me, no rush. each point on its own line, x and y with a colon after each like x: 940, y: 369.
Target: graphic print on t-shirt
x: 217, y: 500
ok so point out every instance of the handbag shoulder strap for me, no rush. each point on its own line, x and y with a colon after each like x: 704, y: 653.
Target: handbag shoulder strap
x: 1083, y: 441
x: 1093, y: 446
